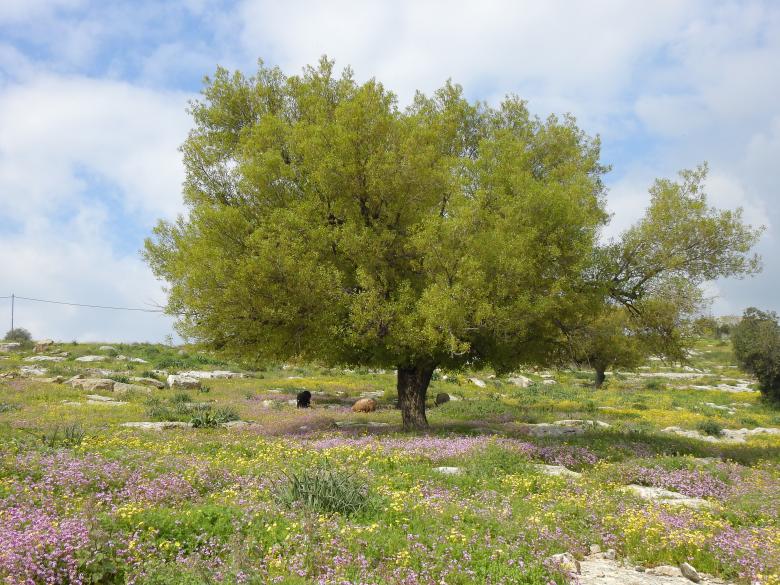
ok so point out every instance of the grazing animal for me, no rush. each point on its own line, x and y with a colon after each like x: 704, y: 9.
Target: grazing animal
x: 441, y: 398
x: 304, y: 399
x: 365, y: 405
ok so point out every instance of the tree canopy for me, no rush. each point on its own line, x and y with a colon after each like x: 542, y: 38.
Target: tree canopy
x: 756, y: 342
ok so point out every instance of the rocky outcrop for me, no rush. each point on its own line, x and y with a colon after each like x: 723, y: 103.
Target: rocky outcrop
x: 185, y: 382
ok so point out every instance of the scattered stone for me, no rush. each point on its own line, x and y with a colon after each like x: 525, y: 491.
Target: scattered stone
x: 365, y: 405
x: 442, y: 398
x: 549, y: 382
x: 91, y: 358
x: 27, y: 371
x: 137, y: 360
x: 550, y: 430
x: 521, y: 381
x: 557, y: 471
x: 597, y: 570
x: 566, y: 562
x: 156, y: 426
x: 594, y: 548
x: 181, y: 381
x: 448, y: 470
x: 269, y: 403
x: 719, y: 407
x: 477, y: 382
x: 148, y: 382
x: 44, y: 358
x: 92, y: 384
x: 106, y: 348
x: 689, y: 572
x: 10, y: 346
x: 43, y: 345
x: 120, y: 358
x: 667, y: 497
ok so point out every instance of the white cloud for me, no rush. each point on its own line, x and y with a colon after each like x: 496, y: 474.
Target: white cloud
x: 79, y: 160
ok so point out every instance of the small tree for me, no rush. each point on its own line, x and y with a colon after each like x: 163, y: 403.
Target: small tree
x: 19, y: 335
x: 652, y: 276
x: 756, y: 341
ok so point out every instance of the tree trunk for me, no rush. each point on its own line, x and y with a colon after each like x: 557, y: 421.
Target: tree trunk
x: 600, y: 376
x: 412, y: 387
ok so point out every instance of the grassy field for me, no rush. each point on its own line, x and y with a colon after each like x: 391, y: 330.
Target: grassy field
x: 328, y: 496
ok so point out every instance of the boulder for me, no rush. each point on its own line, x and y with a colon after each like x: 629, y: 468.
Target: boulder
x: 557, y: 471
x: 137, y: 360
x: 148, y: 382
x: 44, y: 358
x: 442, y: 398
x: 365, y: 405
x: 689, y: 572
x: 477, y: 382
x: 43, y: 345
x: 9, y: 346
x: 186, y: 382
x: 565, y: 562
x: 91, y: 358
x: 520, y: 381
x: 26, y: 371
x: 54, y: 380
x: 92, y: 384
x: 106, y: 348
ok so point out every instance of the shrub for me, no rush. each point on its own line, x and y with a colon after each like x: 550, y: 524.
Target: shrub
x: 710, y: 427
x: 19, y: 335
x: 206, y: 417
x: 325, y: 489
x: 756, y: 343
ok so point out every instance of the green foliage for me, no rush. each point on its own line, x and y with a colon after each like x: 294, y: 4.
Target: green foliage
x: 326, y: 490
x: 18, y: 335
x: 710, y: 427
x: 180, y: 407
x: 7, y: 407
x: 756, y: 341
x: 69, y: 435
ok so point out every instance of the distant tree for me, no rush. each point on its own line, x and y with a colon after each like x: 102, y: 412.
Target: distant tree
x: 19, y: 335
x: 756, y: 342
x: 327, y: 223
x: 653, y: 275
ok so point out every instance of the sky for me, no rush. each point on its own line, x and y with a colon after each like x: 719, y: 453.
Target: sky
x: 94, y: 96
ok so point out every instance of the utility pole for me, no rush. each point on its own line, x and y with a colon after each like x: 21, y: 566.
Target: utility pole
x: 12, y: 311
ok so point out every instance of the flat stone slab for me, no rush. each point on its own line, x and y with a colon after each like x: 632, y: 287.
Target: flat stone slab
x: 556, y: 470
x: 601, y: 571
x: 562, y: 428
x: 91, y: 358
x: 157, y: 426
x: 215, y: 375
x: 44, y: 358
x: 664, y: 496
x: 726, y: 436
x: 448, y: 470
x: 350, y: 424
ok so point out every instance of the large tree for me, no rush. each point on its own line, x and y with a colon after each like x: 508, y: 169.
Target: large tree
x: 756, y: 341
x: 325, y: 222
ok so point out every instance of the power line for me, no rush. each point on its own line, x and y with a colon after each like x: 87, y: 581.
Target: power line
x: 89, y: 306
